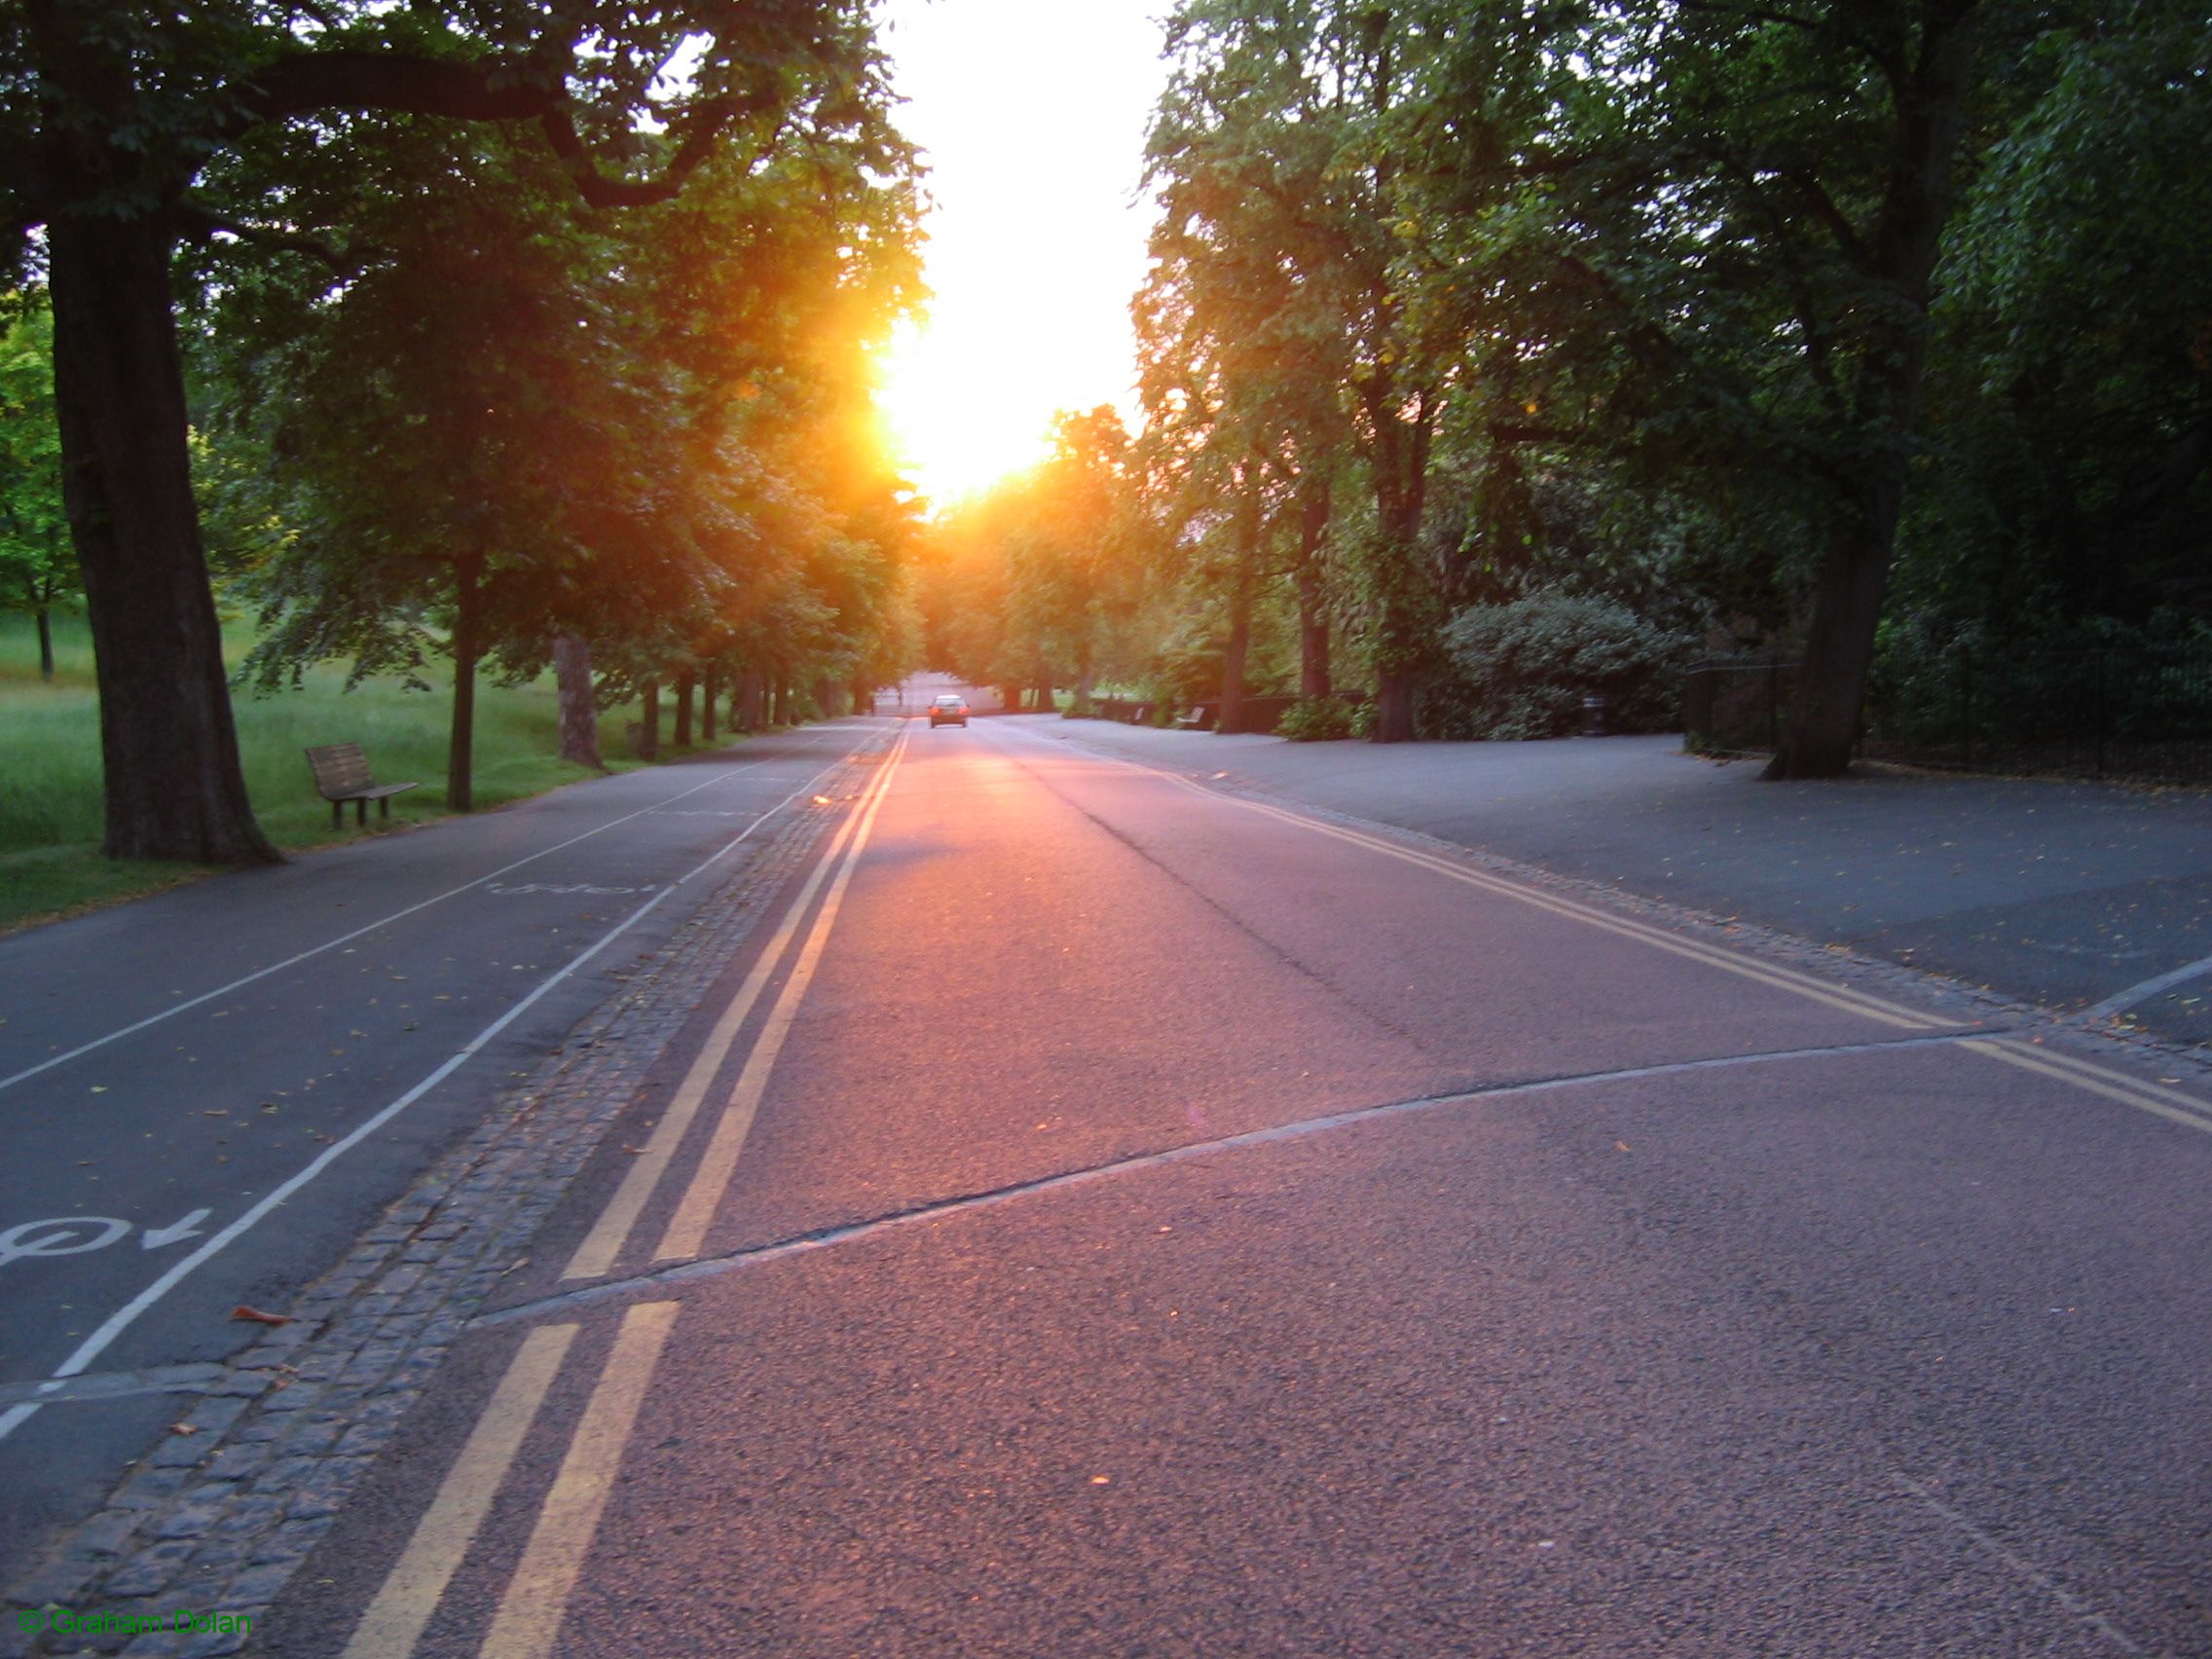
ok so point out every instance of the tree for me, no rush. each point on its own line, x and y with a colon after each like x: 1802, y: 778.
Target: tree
x: 37, y: 571
x: 109, y: 114
x: 1284, y: 247
x: 2069, y: 474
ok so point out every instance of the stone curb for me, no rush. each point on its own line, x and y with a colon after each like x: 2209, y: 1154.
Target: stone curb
x: 225, y: 1508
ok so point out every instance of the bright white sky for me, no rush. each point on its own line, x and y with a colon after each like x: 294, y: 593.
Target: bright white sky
x: 1031, y: 116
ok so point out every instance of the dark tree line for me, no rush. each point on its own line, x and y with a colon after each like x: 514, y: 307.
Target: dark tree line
x: 1834, y: 329
x: 288, y: 132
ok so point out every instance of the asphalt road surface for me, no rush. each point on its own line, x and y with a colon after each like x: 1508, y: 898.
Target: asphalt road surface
x: 2092, y: 898
x: 209, y: 1094
x: 1104, y: 1216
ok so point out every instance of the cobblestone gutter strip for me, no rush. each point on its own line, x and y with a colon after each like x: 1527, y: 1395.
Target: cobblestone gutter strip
x: 226, y: 1507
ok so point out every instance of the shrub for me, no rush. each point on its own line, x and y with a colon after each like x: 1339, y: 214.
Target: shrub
x: 1521, y: 670
x: 1320, y: 719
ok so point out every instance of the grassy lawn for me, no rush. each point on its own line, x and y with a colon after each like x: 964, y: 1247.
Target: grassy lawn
x: 49, y: 763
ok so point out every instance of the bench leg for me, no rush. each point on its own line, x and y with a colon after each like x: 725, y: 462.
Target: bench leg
x: 384, y: 807
x: 360, y: 815
x: 338, y: 815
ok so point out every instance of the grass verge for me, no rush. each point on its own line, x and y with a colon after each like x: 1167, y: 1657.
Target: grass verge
x: 50, y: 765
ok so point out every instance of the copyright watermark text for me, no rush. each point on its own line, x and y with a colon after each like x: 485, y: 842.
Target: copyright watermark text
x: 64, y: 1621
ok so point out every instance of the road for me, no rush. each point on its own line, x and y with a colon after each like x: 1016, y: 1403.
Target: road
x: 2092, y: 898
x: 209, y: 1093
x: 1098, y: 1214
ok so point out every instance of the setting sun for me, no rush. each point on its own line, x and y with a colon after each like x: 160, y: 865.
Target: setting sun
x: 959, y: 413
x: 1035, y: 241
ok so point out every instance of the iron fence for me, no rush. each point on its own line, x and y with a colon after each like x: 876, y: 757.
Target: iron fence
x: 2134, y: 712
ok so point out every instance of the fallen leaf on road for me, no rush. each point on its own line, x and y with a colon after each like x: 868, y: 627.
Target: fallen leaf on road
x: 255, y: 1316
x: 184, y: 1428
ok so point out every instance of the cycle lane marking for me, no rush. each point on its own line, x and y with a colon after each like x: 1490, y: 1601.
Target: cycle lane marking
x: 97, y: 1343
x: 293, y: 961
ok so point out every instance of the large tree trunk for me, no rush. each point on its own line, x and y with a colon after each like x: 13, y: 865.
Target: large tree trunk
x: 169, y: 745
x: 579, y: 701
x: 1398, y: 464
x: 710, y: 679
x: 685, y: 685
x: 467, y: 647
x: 1854, y: 574
x: 751, y: 698
x: 1312, y: 598
x: 648, y: 726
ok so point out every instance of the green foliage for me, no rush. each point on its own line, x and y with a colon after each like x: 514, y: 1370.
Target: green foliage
x: 1320, y: 719
x: 38, y: 569
x: 2071, y: 394
x: 1521, y: 670
x: 1037, y: 582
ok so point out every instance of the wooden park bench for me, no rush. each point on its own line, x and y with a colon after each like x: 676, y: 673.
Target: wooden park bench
x: 342, y: 775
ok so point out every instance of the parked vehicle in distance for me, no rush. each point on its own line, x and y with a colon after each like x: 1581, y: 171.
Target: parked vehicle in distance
x: 951, y: 708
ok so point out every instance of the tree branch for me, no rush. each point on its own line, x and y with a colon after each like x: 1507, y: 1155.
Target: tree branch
x: 495, y: 90
x: 200, y: 224
x: 344, y: 78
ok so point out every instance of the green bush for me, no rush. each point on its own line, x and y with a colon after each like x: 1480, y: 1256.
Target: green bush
x: 1322, y: 719
x: 1521, y: 670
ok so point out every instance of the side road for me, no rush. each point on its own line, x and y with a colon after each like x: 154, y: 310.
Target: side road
x: 2092, y: 901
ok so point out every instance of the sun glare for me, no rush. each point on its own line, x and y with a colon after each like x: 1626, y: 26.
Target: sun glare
x: 1035, y: 242
x: 955, y: 422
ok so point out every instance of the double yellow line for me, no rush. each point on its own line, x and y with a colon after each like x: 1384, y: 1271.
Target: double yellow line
x: 686, y: 1229
x: 528, y: 1619
x: 2156, y: 1099
x: 536, y: 1598
x: 1712, y: 956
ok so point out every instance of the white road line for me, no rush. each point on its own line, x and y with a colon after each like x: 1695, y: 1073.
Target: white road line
x: 94, y: 1345
x: 2057, y: 1592
x: 172, y: 1011
x: 2120, y: 1001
